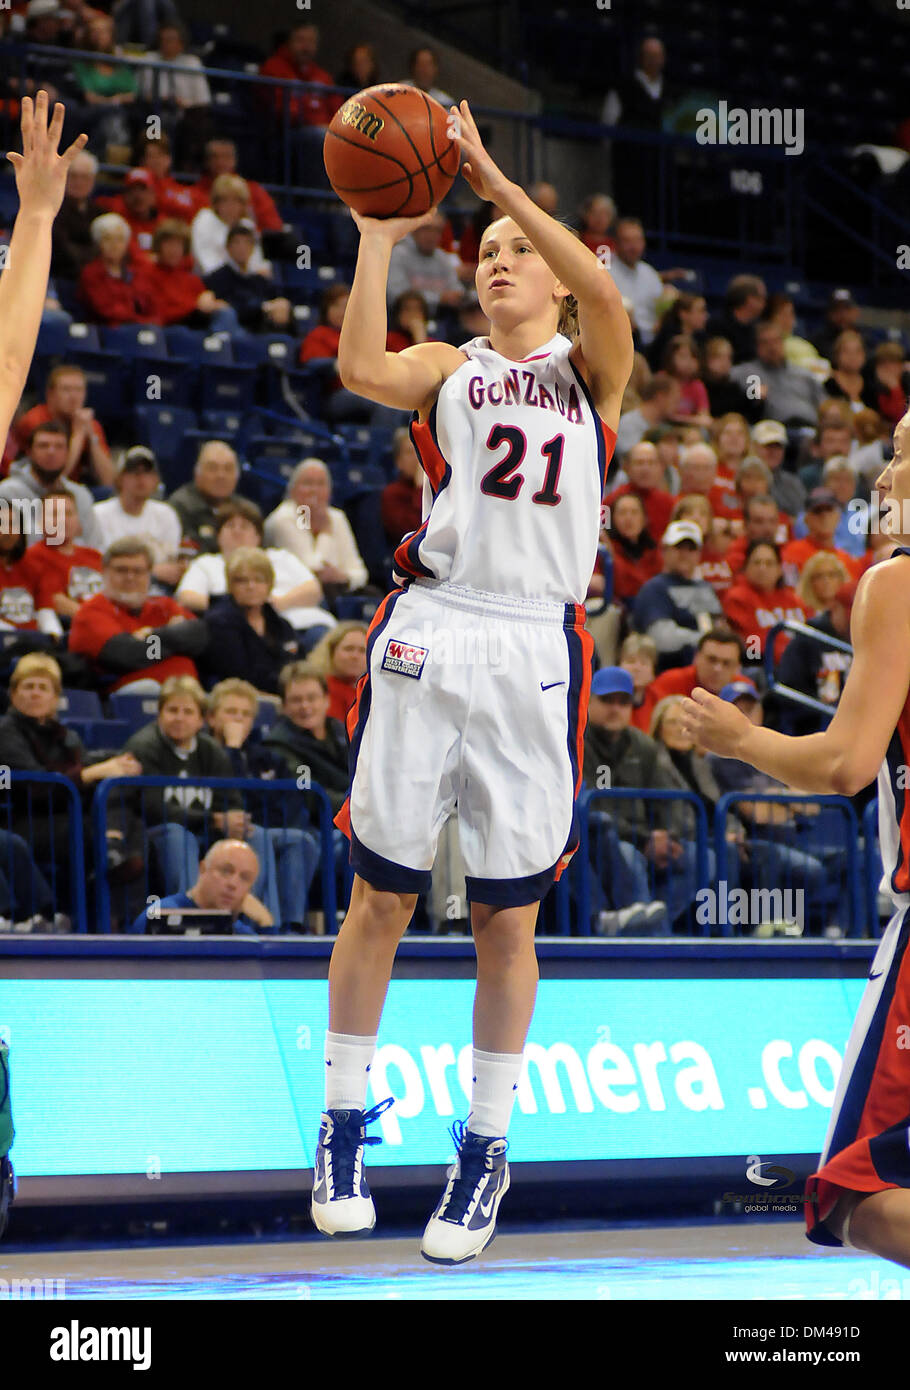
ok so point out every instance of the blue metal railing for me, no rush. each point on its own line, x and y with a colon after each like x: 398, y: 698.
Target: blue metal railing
x: 100, y: 823
x: 787, y: 692
x: 582, y: 874
x: 760, y: 835
x: 73, y: 835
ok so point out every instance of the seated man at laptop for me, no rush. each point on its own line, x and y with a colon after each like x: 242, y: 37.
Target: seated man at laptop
x: 226, y: 876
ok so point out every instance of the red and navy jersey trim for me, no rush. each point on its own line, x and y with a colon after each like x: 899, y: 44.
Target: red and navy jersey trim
x: 606, y: 437
x: 406, y: 560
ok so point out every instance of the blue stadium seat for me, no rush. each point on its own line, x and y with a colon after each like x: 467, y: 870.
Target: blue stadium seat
x: 164, y: 379
x: 196, y: 346
x: 84, y: 337
x: 53, y: 340
x: 266, y: 489
x: 226, y: 386
x: 135, y: 710
x: 102, y: 733
x: 106, y: 379
x: 135, y: 340
x: 79, y: 704
x: 266, y: 714
x: 163, y: 429
x: 266, y: 347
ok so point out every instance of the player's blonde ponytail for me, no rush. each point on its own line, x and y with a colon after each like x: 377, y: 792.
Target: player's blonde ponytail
x: 568, y: 317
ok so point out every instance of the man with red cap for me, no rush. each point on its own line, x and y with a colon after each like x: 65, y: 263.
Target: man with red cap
x: 136, y: 205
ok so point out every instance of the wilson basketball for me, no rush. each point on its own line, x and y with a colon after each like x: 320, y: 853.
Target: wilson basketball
x: 387, y: 153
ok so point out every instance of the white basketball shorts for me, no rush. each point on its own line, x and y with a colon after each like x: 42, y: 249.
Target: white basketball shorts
x: 474, y: 701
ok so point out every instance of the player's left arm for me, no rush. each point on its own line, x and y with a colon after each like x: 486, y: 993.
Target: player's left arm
x: 846, y: 757
x: 604, y: 353
x: 40, y: 181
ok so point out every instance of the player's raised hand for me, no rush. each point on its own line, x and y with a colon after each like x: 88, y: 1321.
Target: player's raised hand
x: 40, y: 170
x: 715, y: 725
x: 390, y: 229
x: 482, y: 173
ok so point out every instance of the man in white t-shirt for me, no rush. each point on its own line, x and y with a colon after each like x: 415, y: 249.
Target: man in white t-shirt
x: 316, y: 533
x: 296, y: 591
x: 635, y: 279
x: 133, y: 512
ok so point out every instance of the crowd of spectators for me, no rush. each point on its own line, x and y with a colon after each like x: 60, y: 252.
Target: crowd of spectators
x: 740, y: 496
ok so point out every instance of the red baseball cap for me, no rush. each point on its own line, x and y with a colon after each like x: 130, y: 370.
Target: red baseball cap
x: 139, y: 176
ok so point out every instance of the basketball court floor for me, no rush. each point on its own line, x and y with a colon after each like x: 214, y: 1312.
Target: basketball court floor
x: 767, y: 1261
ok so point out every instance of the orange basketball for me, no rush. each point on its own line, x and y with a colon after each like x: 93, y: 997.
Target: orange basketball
x: 387, y: 153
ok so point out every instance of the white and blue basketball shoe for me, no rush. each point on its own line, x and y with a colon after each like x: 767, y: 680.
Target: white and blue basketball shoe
x: 464, y: 1222
x: 341, y: 1205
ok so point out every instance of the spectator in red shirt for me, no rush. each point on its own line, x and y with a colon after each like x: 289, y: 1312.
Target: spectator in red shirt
x: 62, y: 573
x: 643, y: 469
x: 698, y: 473
x: 822, y: 514
x: 401, y: 503
x: 636, y: 555
x: 134, y: 640
x: 819, y: 580
x: 295, y: 61
x: 714, y: 566
x: 136, y: 205
x: 759, y: 599
x: 762, y: 520
x: 717, y: 662
x: 18, y: 599
x: 221, y: 158
x: 732, y: 441
x: 180, y: 295
x: 340, y: 658
x: 753, y: 479
x: 598, y: 215
x: 361, y: 68
x: 681, y: 361
x: 638, y: 656
x: 321, y: 344
x: 88, y: 456
x: 113, y: 290
x: 172, y: 198
x: 889, y: 383
x: 408, y: 320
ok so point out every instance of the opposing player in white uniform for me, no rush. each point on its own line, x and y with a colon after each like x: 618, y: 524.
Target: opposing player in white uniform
x: 40, y: 183
x: 859, y: 1194
x: 478, y: 666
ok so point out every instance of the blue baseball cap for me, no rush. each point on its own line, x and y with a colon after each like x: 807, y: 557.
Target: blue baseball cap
x: 612, y: 680
x: 738, y: 688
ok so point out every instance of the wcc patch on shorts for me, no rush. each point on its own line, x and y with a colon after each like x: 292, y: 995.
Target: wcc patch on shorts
x: 404, y: 659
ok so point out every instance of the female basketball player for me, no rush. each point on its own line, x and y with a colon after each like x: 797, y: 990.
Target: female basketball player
x: 40, y: 182
x: 859, y: 1195
x: 478, y: 665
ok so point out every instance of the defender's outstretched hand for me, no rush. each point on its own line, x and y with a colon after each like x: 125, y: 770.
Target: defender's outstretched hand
x: 40, y: 170
x: 715, y: 725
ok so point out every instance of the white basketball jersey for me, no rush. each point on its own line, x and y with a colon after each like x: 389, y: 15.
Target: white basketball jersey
x: 515, y: 457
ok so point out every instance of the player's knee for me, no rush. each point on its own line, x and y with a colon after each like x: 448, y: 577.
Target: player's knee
x: 502, y: 944
x: 384, y: 914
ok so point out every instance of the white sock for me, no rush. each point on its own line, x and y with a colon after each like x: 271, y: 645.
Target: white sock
x: 495, y: 1077
x: 347, y: 1067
